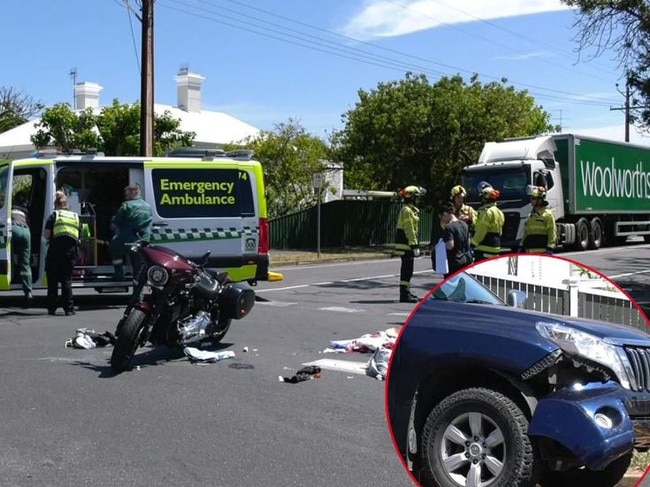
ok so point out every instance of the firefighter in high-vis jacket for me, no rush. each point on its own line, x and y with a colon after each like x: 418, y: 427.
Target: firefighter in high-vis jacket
x: 407, y: 244
x: 462, y: 211
x: 540, y: 234
x: 489, y: 224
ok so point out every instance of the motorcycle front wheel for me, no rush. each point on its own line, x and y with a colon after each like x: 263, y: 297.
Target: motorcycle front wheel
x: 128, y: 340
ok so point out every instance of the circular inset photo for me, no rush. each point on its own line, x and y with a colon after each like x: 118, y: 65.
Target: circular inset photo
x: 521, y: 370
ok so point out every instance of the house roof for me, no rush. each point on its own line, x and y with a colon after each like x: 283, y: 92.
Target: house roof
x: 211, y: 128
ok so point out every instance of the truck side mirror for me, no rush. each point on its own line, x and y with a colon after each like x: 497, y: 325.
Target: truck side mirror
x: 516, y: 298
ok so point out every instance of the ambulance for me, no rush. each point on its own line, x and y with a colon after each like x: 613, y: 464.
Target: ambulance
x: 201, y: 202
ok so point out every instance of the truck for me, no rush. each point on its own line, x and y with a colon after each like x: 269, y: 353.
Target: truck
x: 598, y: 190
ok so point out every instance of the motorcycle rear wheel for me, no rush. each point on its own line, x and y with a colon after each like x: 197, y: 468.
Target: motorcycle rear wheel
x: 128, y: 340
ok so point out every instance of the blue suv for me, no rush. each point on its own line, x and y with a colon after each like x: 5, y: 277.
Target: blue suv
x: 484, y: 393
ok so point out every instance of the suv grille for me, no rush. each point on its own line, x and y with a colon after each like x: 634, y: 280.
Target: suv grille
x: 640, y: 360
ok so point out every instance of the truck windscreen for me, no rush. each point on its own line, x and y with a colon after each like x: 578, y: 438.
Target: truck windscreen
x: 511, y: 182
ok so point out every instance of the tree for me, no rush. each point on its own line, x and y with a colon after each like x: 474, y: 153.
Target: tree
x: 622, y: 26
x: 62, y: 127
x: 289, y: 157
x: 16, y: 108
x: 411, y: 132
x: 114, y: 131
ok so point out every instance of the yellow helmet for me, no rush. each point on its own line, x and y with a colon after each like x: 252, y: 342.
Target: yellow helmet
x: 456, y: 190
x: 538, y: 192
x: 412, y: 192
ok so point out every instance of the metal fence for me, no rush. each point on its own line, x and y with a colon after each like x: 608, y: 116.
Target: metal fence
x: 343, y: 223
x: 593, y: 304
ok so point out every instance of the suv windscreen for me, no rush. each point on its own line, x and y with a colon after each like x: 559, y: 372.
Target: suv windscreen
x: 463, y: 288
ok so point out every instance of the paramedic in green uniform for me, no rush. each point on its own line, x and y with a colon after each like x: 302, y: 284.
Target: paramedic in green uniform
x: 131, y: 223
x: 21, y: 242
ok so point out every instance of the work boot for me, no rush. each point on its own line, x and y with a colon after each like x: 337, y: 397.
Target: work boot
x: 29, y: 298
x: 405, y: 296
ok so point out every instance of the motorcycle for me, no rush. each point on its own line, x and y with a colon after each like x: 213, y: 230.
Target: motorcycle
x: 188, y: 304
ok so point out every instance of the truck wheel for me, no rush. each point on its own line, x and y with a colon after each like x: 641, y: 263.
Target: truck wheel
x: 477, y: 437
x: 582, y: 234
x: 608, y: 477
x: 596, y: 234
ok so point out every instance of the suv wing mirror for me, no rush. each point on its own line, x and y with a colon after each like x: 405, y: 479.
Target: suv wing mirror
x: 516, y: 298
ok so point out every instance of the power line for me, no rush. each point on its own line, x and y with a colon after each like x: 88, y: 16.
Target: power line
x: 340, y: 50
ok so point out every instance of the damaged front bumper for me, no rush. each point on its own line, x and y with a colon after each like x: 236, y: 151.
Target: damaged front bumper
x: 592, y: 421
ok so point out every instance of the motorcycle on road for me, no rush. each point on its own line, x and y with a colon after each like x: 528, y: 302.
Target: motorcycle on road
x: 188, y: 304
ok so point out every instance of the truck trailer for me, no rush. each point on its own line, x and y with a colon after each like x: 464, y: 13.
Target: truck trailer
x: 598, y: 190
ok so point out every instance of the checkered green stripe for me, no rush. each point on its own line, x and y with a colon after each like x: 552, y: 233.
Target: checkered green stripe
x: 163, y: 234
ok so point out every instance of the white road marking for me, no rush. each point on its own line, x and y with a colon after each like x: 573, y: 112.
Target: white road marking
x: 342, y: 309
x: 340, y: 365
x: 279, y: 304
x: 628, y: 274
x: 406, y: 313
x: 282, y: 288
x: 356, y: 279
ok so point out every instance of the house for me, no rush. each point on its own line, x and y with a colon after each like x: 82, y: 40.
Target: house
x: 212, y: 129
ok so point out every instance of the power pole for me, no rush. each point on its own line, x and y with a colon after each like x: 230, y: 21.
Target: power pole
x: 146, y: 81
x: 626, y: 107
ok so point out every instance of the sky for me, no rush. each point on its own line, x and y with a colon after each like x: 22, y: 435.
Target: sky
x: 268, y: 61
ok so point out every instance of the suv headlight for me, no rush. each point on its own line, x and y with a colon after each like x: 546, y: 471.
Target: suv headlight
x: 157, y: 276
x: 576, y: 342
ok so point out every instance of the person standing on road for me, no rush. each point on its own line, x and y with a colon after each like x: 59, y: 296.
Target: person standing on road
x: 407, y: 244
x: 130, y: 224
x: 462, y: 211
x: 62, y: 230
x: 489, y: 224
x: 456, y: 240
x: 540, y: 234
x: 21, y: 245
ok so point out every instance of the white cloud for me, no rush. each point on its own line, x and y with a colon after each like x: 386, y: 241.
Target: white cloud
x: 525, y: 57
x: 391, y: 18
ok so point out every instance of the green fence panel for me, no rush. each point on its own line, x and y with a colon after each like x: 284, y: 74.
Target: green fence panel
x: 344, y: 223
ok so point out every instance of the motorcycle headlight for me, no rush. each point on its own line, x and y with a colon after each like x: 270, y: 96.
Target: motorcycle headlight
x: 576, y: 342
x: 157, y: 276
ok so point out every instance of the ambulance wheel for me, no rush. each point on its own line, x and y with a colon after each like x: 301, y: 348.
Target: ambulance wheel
x: 582, y: 234
x: 596, y: 234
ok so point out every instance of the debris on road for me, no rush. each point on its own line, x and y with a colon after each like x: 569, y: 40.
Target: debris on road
x: 378, y: 364
x: 87, y: 339
x: 306, y: 373
x: 365, y: 343
x: 197, y: 355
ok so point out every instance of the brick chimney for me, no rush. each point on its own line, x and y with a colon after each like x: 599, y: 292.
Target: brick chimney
x: 189, y: 90
x: 86, y: 95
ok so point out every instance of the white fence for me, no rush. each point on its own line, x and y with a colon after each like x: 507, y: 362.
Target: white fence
x: 557, y: 286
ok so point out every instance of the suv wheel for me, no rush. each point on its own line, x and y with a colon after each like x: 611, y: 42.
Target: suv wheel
x: 477, y: 437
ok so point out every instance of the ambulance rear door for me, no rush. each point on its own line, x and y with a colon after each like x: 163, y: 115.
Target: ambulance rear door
x: 206, y: 206
x: 6, y: 176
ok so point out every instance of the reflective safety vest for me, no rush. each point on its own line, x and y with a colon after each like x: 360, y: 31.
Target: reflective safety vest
x: 488, y: 228
x: 66, y: 223
x: 407, y: 229
x: 539, y: 232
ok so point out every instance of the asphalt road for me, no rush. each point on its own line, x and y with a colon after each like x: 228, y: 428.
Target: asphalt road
x: 66, y: 419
